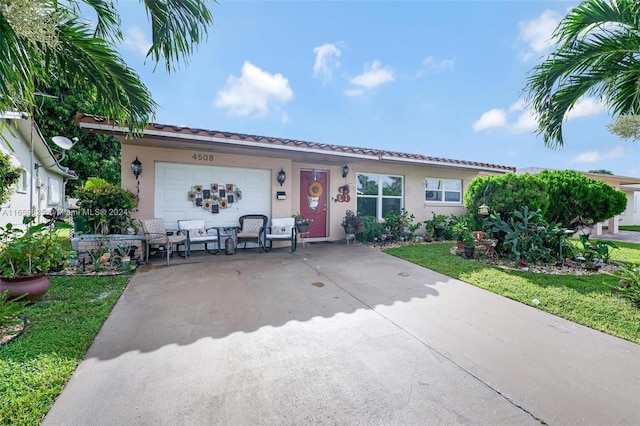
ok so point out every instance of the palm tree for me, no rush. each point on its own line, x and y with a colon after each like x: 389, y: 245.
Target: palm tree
x: 45, y: 40
x: 598, y: 54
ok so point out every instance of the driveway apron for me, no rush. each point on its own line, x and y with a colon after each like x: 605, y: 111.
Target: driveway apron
x: 337, y: 334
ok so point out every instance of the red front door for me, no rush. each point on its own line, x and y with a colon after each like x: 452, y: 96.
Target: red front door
x: 313, y: 200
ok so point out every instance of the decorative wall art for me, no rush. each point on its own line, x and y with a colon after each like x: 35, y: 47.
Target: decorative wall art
x: 217, y: 197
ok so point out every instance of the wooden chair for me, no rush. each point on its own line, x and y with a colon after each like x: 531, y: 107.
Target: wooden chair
x: 157, y: 237
x: 281, y: 229
x: 196, y: 233
x: 251, y: 228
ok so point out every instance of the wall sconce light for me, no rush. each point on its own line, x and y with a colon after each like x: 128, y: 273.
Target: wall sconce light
x: 345, y: 171
x: 282, y: 176
x: 136, y: 167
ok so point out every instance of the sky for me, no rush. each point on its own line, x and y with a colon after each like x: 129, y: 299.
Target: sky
x: 437, y: 78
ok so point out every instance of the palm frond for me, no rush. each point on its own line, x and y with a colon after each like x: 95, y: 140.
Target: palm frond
x: 178, y: 26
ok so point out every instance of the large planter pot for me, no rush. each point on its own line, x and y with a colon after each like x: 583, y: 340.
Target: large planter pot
x: 439, y: 232
x: 35, y: 285
x: 349, y: 229
x: 469, y: 251
x: 302, y: 227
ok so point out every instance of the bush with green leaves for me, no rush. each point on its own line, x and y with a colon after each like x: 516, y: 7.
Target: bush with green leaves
x: 504, y: 194
x: 599, y: 249
x: 103, y: 205
x: 401, y: 224
x: 526, y: 235
x: 630, y: 284
x: 372, y: 229
x: 579, y: 200
x: 9, y: 175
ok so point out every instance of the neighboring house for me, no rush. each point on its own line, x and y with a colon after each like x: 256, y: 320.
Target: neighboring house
x: 219, y: 176
x: 626, y: 184
x: 41, y: 186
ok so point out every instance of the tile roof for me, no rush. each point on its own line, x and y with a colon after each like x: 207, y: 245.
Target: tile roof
x: 274, y: 142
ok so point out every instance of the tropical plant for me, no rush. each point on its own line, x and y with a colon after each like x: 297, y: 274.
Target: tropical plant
x: 39, y: 39
x: 103, y: 205
x: 630, y: 284
x: 626, y: 127
x: 31, y: 251
x: 401, y: 223
x: 526, y: 235
x: 596, y: 54
x: 600, y: 249
x: 96, y: 154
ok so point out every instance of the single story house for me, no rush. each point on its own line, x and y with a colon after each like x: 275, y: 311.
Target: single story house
x: 42, y: 184
x: 218, y: 176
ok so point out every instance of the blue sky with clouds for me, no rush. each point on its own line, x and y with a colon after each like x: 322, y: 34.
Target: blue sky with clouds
x: 439, y: 78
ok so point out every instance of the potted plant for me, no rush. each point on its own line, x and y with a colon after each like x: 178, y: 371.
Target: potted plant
x: 352, y: 223
x: 436, y: 225
x: 469, y: 243
x: 122, y: 251
x: 302, y: 223
x: 26, y: 255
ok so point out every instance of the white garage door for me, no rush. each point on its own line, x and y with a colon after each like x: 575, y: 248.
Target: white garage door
x: 174, y: 181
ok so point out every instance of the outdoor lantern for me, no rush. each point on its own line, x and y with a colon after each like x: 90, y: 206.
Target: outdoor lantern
x: 282, y: 176
x: 345, y: 171
x: 136, y: 167
x: 483, y: 210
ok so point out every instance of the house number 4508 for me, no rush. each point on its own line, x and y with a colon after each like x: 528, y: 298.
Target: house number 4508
x: 202, y: 157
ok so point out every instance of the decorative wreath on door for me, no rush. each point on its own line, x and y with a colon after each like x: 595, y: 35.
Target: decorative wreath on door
x: 315, y: 189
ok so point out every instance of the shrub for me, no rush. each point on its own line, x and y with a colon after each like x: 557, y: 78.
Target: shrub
x: 526, y: 235
x: 596, y: 250
x: 630, y: 284
x: 579, y: 200
x: 372, y: 229
x: 8, y: 176
x: 105, y: 205
x: 506, y: 193
x: 401, y: 224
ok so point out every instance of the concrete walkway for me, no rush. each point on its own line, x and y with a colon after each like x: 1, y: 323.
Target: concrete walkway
x: 336, y: 334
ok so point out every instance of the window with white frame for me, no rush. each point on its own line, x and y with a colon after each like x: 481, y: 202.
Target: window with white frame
x: 442, y: 190
x: 379, y: 194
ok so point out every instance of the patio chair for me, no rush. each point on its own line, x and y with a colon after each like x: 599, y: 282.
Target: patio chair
x: 251, y: 228
x: 281, y: 229
x: 196, y: 233
x: 157, y: 237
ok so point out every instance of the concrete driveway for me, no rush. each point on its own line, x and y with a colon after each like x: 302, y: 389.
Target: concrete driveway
x: 336, y: 334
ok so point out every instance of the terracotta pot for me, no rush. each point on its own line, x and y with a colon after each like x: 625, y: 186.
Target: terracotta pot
x: 35, y: 285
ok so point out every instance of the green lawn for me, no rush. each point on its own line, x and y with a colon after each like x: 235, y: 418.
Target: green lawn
x: 35, y: 367
x: 635, y: 228
x: 583, y: 299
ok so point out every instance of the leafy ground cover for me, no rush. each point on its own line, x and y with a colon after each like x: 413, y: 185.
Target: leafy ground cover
x: 35, y: 367
x: 585, y: 299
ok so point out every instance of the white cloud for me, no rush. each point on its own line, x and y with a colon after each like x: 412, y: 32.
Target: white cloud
x: 135, y: 39
x: 526, y: 122
x: 326, y: 61
x: 373, y: 76
x: 585, y: 107
x: 537, y: 32
x: 594, y: 156
x: 491, y: 119
x: 438, y: 65
x: 253, y: 91
x: 285, y: 118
